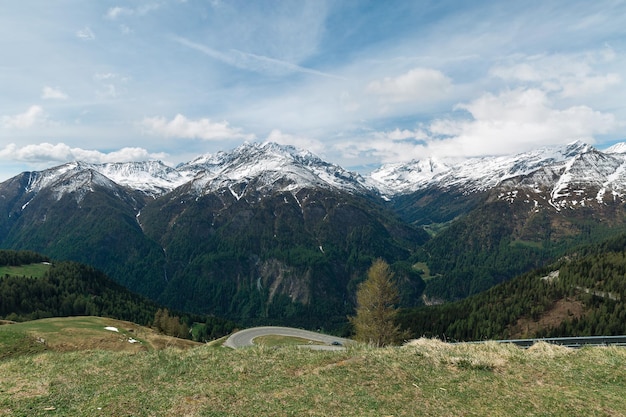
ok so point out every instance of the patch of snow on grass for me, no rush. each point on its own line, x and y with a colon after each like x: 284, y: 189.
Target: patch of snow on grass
x: 112, y: 329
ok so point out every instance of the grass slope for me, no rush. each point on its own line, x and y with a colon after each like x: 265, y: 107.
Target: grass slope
x: 427, y: 378
x: 31, y: 270
x: 81, y: 334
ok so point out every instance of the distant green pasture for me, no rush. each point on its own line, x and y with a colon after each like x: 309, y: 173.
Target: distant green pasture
x: 31, y: 270
x: 423, y: 267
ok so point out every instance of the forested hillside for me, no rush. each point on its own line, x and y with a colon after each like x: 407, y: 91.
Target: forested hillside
x: 583, y: 294
x: 282, y: 259
x: 61, y: 289
x: 501, y: 240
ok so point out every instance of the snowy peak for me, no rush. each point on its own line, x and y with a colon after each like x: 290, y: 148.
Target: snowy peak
x: 260, y: 167
x: 473, y: 175
x: 617, y: 148
x: 38, y: 181
x: 150, y: 177
x: 563, y: 176
x: 591, y: 177
x: 268, y: 167
x: 76, y: 177
x: 400, y: 178
x: 570, y: 176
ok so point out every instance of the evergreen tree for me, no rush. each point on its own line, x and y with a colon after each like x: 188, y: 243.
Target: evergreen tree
x: 377, y: 299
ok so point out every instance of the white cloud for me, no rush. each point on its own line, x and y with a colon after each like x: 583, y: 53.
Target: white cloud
x: 115, y: 12
x: 403, y: 134
x: 566, y: 75
x: 301, y: 142
x: 111, y: 85
x: 252, y: 62
x: 50, y: 93
x: 104, y: 76
x: 589, y: 85
x: 516, y: 120
x: 386, y: 146
x: 125, y: 30
x: 107, y: 91
x: 381, y: 147
x: 419, y: 84
x: 499, y: 124
x: 181, y: 127
x: 31, y: 117
x: 86, y: 34
x: 60, y: 152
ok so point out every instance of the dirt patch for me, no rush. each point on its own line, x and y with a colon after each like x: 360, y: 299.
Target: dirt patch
x: 564, y: 309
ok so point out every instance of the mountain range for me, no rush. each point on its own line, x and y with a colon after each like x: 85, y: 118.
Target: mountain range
x: 268, y: 233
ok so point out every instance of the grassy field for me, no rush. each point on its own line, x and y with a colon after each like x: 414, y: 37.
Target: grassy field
x: 423, y: 267
x: 31, y: 270
x: 426, y: 378
x: 83, y: 334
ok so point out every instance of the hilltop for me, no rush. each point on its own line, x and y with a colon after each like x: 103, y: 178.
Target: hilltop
x: 77, y: 334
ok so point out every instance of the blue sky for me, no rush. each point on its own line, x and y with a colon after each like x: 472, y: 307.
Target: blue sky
x: 359, y: 83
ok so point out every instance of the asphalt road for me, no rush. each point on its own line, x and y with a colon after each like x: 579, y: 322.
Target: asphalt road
x: 245, y: 337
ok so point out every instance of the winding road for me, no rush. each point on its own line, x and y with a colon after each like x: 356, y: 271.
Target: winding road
x: 246, y: 337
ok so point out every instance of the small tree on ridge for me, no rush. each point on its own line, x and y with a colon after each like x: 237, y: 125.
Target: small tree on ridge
x: 377, y: 298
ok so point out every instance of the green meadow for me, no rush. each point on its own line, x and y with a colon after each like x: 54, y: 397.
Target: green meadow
x: 423, y: 378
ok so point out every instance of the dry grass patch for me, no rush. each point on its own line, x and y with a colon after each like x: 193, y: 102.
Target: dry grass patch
x: 546, y: 350
x: 492, y: 356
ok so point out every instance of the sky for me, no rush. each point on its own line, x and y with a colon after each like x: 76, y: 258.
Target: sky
x: 359, y: 83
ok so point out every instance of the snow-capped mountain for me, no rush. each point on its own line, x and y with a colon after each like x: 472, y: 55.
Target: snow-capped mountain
x: 234, y: 232
x: 476, y: 174
x: 589, y: 177
x: 617, y: 148
x: 563, y: 176
x: 269, y: 167
x: 400, y: 178
x: 75, y: 177
x: 152, y: 178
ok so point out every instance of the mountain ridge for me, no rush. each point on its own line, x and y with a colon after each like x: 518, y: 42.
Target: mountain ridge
x: 268, y: 233
x: 286, y: 168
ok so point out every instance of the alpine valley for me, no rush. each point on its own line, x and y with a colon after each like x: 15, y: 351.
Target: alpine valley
x: 270, y: 234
